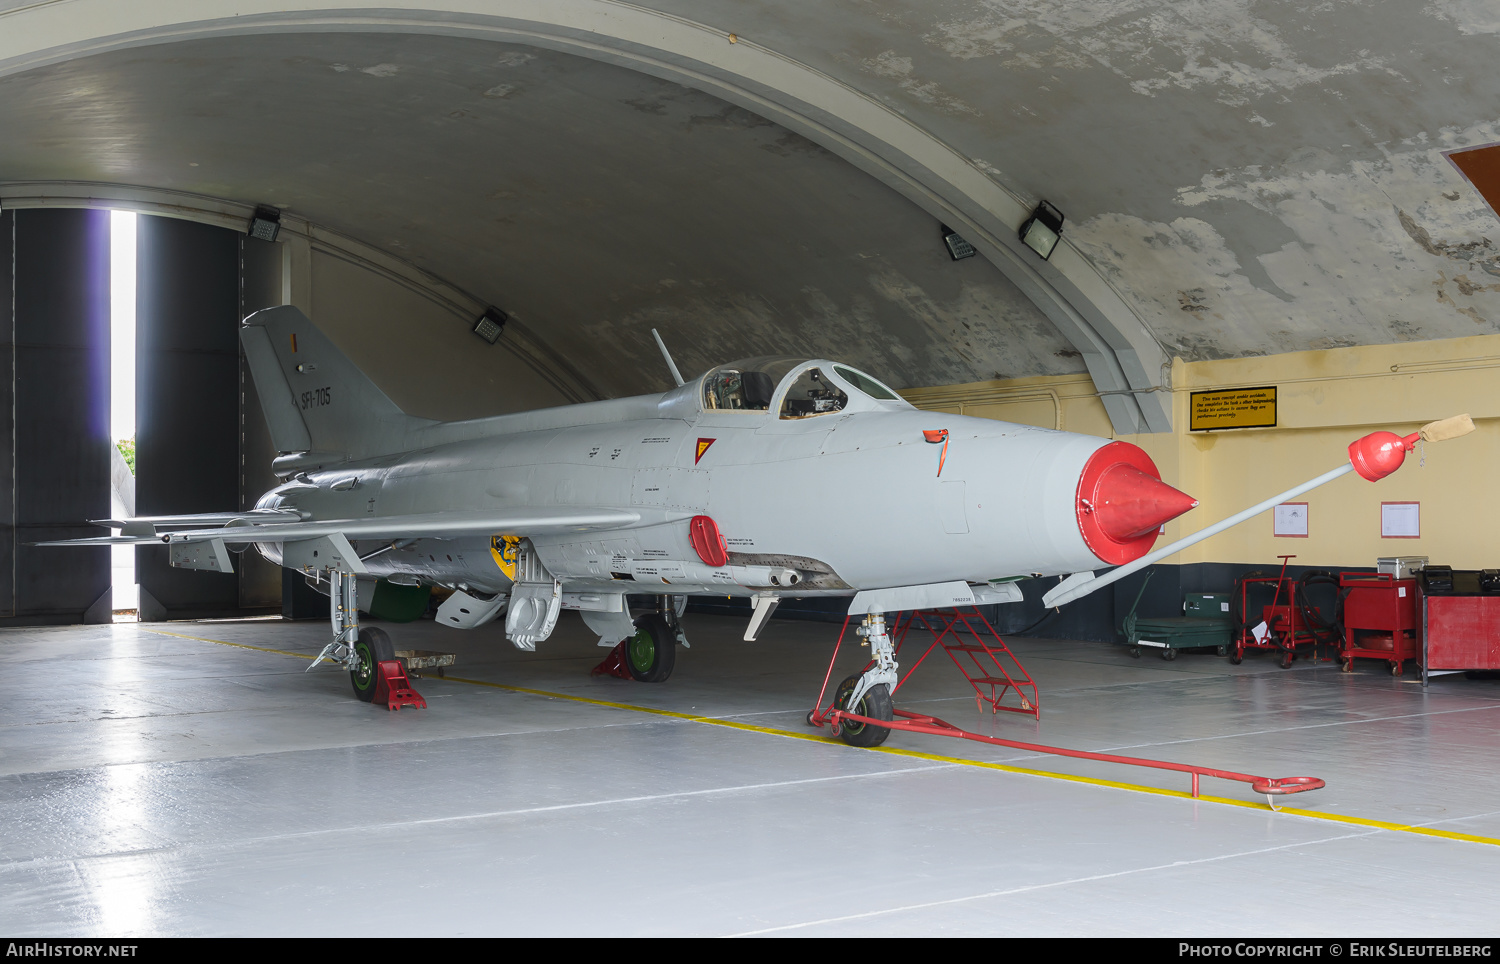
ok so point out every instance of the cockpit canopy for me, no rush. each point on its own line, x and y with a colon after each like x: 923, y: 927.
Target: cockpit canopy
x: 804, y: 387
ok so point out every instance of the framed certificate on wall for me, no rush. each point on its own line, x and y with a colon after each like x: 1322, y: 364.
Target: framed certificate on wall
x: 1400, y: 520
x: 1289, y: 520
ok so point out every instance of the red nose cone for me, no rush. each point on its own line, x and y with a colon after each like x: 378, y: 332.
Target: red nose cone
x: 1122, y: 502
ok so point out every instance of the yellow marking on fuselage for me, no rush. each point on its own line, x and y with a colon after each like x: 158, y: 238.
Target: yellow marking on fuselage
x: 506, y: 549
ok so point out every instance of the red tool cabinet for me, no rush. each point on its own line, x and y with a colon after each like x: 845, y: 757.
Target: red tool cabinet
x: 1380, y: 619
x: 1460, y: 629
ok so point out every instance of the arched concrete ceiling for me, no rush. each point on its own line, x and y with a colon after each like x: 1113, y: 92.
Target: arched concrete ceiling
x: 1249, y: 177
x: 592, y: 201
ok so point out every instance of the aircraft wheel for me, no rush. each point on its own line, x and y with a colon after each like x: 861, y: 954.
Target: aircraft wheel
x: 652, y: 652
x: 373, y: 646
x: 876, y: 703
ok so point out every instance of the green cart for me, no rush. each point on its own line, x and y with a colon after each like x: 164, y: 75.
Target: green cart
x: 1205, y: 624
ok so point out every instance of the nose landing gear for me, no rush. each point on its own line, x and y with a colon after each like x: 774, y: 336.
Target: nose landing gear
x: 868, y: 694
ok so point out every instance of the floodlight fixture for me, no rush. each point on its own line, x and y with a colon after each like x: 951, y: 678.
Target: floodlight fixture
x: 265, y: 224
x: 490, y: 324
x: 1043, y: 229
x: 958, y: 248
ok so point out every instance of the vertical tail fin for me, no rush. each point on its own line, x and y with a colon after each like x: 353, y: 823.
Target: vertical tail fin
x: 315, y: 400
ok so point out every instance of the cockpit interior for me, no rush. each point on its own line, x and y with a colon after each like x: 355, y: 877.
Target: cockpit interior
x: 802, y: 386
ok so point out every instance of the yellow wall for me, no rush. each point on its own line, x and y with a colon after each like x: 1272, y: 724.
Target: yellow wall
x: 1326, y: 399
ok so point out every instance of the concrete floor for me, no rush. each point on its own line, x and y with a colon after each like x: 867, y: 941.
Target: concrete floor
x: 159, y: 784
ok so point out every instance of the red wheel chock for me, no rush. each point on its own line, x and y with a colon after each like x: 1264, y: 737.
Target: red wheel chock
x: 613, y: 664
x: 393, y: 688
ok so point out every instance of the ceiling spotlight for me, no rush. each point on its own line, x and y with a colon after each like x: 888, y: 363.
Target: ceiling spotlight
x: 490, y: 324
x: 265, y: 223
x: 1042, y: 230
x: 958, y: 248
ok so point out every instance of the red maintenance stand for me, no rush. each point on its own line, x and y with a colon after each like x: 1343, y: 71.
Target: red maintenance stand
x: 980, y: 662
x: 994, y: 676
x: 1380, y: 619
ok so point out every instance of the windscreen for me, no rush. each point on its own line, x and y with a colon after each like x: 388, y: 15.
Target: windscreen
x: 866, y: 384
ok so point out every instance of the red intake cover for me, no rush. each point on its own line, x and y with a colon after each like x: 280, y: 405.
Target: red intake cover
x: 1122, y: 502
x: 708, y: 542
x: 1380, y: 453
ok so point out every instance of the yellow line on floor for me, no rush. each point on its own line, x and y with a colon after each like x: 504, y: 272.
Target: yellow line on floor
x: 221, y: 642
x: 913, y: 754
x: 1006, y: 768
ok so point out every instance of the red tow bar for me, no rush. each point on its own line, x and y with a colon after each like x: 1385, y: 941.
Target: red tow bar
x: 942, y: 627
x: 917, y: 723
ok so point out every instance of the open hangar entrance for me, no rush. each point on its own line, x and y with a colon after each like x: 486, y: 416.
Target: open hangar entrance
x: 424, y: 173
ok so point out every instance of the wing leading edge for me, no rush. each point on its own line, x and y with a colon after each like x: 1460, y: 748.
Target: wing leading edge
x: 239, y: 529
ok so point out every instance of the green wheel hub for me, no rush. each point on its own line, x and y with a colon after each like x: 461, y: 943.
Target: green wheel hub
x: 642, y: 649
x: 366, y: 669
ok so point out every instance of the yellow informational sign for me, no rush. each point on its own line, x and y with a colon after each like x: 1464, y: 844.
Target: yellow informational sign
x: 1233, y: 408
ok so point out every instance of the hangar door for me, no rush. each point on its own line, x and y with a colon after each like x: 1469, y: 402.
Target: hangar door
x: 54, y: 414
x: 197, y: 432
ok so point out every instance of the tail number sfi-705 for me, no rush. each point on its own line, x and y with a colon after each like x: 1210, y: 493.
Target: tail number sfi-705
x: 317, y: 397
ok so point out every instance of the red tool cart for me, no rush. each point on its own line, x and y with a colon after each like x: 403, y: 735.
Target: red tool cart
x: 1460, y: 625
x: 1380, y: 619
x: 1290, y: 621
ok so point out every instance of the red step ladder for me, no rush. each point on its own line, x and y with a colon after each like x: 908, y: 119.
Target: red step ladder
x: 990, y: 667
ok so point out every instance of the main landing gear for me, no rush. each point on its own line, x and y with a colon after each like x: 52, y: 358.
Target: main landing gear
x: 650, y: 655
x: 359, y: 651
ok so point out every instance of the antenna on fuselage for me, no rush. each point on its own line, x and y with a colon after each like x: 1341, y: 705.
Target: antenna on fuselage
x: 676, y: 375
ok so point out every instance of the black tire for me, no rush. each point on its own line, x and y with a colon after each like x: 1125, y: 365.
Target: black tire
x: 1223, y: 650
x: 1168, y: 653
x: 1135, y: 652
x: 876, y: 703
x: 1236, y: 656
x: 651, y: 653
x: 373, y: 646
x: 1286, y: 659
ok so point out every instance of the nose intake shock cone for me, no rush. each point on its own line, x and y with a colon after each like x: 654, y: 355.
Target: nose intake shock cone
x: 1122, y: 503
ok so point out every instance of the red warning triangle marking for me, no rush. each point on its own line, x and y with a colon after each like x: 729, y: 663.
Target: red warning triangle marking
x: 703, y: 444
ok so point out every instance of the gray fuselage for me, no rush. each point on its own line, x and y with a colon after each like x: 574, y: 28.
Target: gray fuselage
x: 850, y: 499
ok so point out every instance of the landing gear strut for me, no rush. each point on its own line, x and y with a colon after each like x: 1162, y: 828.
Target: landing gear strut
x: 869, y: 693
x: 358, y: 651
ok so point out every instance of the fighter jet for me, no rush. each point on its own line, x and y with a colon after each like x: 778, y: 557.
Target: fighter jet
x: 762, y: 478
